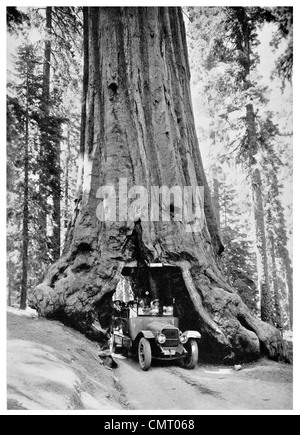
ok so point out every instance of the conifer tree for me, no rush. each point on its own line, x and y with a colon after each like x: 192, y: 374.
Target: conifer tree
x: 237, y: 101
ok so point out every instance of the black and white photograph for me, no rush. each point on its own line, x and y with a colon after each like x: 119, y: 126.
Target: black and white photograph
x: 149, y: 212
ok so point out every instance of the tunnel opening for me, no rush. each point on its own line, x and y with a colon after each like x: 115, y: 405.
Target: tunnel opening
x: 144, y: 282
x: 157, y: 282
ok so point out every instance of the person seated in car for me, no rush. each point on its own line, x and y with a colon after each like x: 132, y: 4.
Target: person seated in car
x: 168, y: 311
x: 154, y: 309
x: 133, y: 309
x: 141, y: 307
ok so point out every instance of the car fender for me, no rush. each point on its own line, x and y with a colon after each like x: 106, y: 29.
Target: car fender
x: 148, y: 334
x: 192, y: 334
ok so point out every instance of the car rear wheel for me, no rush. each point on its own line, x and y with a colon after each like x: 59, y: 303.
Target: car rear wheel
x: 191, y: 359
x: 145, y: 354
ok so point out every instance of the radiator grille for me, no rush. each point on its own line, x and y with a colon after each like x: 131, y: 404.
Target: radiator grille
x: 172, y: 336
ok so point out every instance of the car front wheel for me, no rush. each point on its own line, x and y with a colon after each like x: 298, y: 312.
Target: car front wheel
x: 145, y: 354
x: 191, y: 359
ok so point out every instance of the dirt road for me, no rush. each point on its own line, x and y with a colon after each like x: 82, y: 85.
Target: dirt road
x: 260, y: 386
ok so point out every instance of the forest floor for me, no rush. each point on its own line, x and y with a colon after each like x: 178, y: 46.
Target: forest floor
x: 52, y: 367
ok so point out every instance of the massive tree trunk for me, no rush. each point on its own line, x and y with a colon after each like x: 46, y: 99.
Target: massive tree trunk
x: 138, y: 125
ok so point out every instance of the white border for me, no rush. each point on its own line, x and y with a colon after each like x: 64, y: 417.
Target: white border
x: 3, y: 213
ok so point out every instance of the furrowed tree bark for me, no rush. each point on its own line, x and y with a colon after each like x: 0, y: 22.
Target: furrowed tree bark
x: 138, y: 125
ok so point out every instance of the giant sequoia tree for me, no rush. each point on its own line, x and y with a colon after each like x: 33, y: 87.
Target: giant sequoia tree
x: 137, y: 124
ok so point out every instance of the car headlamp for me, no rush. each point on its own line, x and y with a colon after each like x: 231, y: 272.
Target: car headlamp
x: 161, y: 338
x: 183, y: 339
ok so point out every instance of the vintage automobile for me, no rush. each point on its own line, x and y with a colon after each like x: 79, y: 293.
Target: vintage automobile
x: 153, y: 334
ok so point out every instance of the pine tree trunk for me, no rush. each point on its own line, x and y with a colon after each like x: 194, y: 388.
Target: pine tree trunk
x: 9, y: 298
x: 45, y: 143
x: 9, y: 284
x: 281, y: 246
x: 50, y: 182
x: 289, y: 278
x: 56, y: 194
x: 66, y: 192
x: 277, y: 296
x: 216, y: 194
x: 261, y: 241
x: 25, y: 233
x: 138, y: 125
x: 245, y: 48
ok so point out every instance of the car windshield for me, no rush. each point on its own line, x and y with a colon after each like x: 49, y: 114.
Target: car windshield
x: 155, y: 308
x: 142, y: 309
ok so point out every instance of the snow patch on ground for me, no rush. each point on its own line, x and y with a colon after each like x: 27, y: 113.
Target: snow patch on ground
x: 35, y: 370
x: 52, y: 367
x: 220, y: 372
x: 24, y: 313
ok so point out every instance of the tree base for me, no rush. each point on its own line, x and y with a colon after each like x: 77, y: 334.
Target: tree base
x: 230, y: 333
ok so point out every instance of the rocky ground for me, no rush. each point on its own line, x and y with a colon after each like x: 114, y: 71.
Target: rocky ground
x: 52, y: 367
